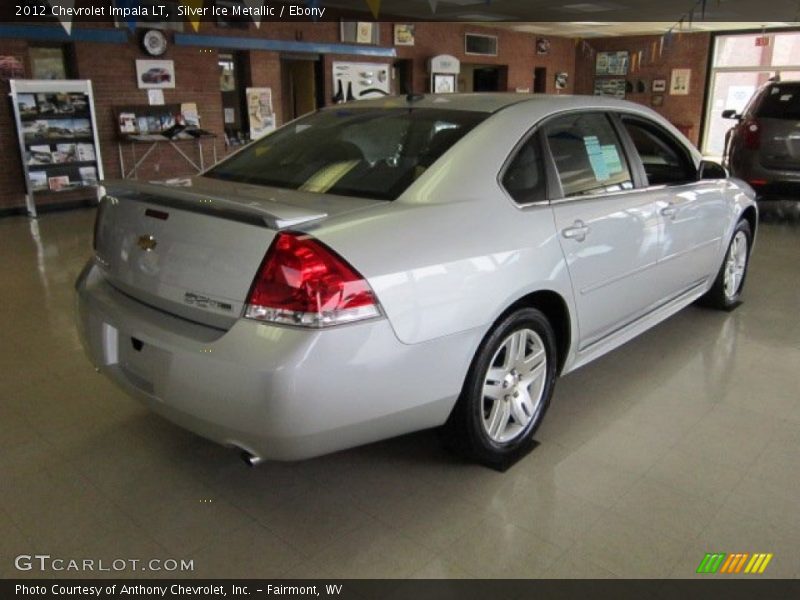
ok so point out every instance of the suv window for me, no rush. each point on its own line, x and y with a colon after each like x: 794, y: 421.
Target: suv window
x: 780, y: 101
x: 588, y: 155
x: 524, y: 178
x: 664, y: 158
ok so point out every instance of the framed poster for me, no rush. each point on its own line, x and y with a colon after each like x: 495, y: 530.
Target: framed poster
x: 679, y: 85
x: 659, y: 86
x: 610, y: 87
x: 612, y: 63
x: 155, y: 74
x: 404, y: 34
x: 364, y: 32
x: 259, y: 109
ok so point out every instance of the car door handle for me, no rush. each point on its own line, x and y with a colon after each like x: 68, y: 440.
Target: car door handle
x: 670, y: 210
x: 578, y: 231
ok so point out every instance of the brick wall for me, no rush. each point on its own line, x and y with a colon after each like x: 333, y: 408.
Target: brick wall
x: 690, y: 51
x: 111, y: 67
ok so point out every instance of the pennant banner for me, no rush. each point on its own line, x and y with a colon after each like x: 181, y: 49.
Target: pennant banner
x: 433, y: 4
x: 255, y: 6
x: 193, y: 9
x: 65, y: 6
x: 374, y: 7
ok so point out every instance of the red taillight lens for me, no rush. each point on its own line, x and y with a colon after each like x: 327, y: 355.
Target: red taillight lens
x: 752, y: 134
x: 303, y: 282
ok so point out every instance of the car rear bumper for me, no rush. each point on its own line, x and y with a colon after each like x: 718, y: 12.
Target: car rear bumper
x: 764, y: 180
x: 277, y: 392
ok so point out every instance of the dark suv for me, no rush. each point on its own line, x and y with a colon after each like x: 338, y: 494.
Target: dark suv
x: 763, y: 148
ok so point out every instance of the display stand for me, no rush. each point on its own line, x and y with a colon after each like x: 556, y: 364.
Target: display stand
x: 149, y: 127
x: 151, y: 144
x: 57, y: 133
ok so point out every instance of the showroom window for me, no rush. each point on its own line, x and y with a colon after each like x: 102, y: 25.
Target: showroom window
x: 588, y: 155
x: 742, y: 63
x: 664, y: 159
x: 524, y: 178
x: 51, y: 62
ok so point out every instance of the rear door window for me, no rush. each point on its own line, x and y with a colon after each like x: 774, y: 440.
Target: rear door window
x: 588, y: 155
x: 781, y: 101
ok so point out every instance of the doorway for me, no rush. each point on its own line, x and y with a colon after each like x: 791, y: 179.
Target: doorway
x: 303, y: 85
x: 482, y: 78
x: 540, y: 80
x: 403, y: 70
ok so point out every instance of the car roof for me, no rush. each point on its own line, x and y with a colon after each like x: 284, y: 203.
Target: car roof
x: 493, y: 102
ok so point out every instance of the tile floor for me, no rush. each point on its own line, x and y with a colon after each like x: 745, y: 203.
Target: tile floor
x: 683, y: 442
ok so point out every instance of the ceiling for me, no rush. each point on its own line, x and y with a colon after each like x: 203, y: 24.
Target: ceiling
x: 594, y: 18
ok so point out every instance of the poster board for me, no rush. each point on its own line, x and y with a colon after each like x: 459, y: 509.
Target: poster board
x: 260, y: 111
x: 612, y: 63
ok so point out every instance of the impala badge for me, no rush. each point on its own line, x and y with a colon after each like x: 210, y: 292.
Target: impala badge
x: 146, y: 242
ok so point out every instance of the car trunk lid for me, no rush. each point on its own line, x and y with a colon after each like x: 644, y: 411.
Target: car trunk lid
x: 192, y: 248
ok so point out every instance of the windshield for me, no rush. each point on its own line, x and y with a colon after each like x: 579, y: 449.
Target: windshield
x: 782, y: 101
x: 364, y: 152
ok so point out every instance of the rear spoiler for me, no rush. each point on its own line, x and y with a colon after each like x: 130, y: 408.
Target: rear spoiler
x: 275, y: 215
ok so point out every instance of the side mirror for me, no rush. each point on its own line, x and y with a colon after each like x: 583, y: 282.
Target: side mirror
x: 730, y: 114
x: 711, y: 170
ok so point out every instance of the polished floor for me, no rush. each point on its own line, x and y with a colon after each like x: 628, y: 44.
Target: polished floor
x: 685, y: 441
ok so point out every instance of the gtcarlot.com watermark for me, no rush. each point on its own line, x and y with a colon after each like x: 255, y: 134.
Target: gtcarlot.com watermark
x: 47, y: 563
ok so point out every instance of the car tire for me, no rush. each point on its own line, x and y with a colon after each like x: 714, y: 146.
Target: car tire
x: 726, y: 292
x: 507, y: 390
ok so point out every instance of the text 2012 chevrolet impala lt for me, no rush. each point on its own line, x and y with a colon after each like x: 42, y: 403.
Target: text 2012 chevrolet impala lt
x: 388, y: 266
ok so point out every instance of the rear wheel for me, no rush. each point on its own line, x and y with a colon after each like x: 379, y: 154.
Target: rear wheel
x: 507, y: 390
x: 726, y: 292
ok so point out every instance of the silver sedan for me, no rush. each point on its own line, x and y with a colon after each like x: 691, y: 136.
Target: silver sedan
x: 387, y: 266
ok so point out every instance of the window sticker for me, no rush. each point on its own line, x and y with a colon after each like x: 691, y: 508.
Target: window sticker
x: 596, y: 158
x: 613, y: 161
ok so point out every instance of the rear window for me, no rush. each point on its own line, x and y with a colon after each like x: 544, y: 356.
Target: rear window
x: 362, y: 152
x: 781, y: 101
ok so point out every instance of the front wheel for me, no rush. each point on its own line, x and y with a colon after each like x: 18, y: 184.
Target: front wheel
x: 507, y: 390
x: 726, y: 292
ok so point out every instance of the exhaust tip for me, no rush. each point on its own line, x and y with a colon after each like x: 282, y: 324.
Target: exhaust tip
x: 251, y: 460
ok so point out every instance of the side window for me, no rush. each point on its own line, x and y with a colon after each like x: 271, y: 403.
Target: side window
x: 588, y: 155
x: 664, y: 158
x: 524, y: 178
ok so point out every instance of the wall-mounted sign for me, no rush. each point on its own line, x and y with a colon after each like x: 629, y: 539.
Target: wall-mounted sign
x: 404, y: 34
x: 681, y: 78
x: 259, y: 108
x: 155, y: 74
x: 612, y: 63
x: 542, y: 46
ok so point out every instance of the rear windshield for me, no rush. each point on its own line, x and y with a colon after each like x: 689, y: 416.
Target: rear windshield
x: 781, y: 102
x: 363, y: 152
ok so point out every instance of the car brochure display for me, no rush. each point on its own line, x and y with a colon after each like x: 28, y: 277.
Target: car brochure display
x: 57, y: 135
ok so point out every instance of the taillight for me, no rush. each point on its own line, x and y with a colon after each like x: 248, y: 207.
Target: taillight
x: 752, y: 134
x: 303, y: 282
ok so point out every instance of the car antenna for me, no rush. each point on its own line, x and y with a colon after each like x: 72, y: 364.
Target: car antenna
x: 411, y: 97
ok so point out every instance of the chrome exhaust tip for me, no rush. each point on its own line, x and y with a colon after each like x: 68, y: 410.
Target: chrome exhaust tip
x: 251, y: 460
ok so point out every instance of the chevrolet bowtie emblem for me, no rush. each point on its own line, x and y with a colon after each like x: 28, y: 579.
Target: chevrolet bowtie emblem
x: 146, y: 242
